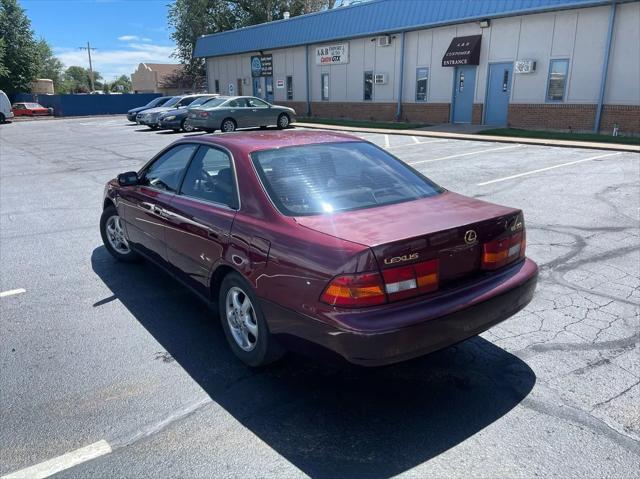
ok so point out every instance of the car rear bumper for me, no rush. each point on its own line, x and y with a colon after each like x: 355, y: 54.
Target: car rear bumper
x: 376, y: 348
x: 131, y: 116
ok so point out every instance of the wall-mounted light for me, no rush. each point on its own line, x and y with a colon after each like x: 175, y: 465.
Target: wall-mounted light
x: 485, y: 23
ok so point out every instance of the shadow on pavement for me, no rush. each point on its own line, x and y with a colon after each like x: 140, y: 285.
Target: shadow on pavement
x: 328, y: 421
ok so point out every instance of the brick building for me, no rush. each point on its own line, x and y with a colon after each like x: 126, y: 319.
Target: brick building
x: 556, y: 64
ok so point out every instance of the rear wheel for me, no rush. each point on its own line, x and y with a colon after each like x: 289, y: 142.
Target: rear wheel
x: 186, y: 126
x: 244, y: 324
x: 114, y: 237
x: 228, y: 125
x: 283, y: 121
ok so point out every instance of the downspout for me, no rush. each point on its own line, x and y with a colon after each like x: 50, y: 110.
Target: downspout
x: 605, y: 67
x: 401, y: 80
x: 306, y: 61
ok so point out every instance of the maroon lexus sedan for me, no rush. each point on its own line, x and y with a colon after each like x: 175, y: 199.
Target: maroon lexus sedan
x: 306, y: 236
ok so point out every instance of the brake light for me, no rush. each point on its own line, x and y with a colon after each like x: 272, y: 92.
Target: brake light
x: 355, y: 290
x: 500, y: 252
x: 368, y: 289
x: 204, y: 114
x: 408, y: 281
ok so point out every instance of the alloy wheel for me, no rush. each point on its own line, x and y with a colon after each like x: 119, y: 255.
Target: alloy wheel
x: 283, y: 121
x: 242, y: 319
x: 228, y: 126
x: 115, y: 235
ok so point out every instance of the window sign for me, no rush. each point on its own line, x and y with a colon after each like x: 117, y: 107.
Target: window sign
x: 337, y: 54
x: 422, y: 74
x: 262, y: 66
x: 279, y: 83
x: 557, y: 80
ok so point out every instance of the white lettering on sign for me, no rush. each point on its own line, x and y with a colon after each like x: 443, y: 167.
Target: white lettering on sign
x: 332, y: 54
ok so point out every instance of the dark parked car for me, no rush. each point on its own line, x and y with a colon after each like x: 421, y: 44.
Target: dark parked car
x: 319, y: 237
x: 151, y: 117
x: 175, y: 119
x: 161, y: 100
x: 239, y: 112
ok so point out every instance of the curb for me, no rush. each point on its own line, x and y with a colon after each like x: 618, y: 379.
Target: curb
x: 469, y: 137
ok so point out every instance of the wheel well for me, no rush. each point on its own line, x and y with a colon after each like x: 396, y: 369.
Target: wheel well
x: 216, y: 280
x: 107, y: 203
x: 228, y: 118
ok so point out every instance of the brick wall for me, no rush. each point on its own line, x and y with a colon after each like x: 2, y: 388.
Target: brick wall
x: 355, y: 110
x: 552, y: 116
x: 476, y: 114
x: 425, y: 112
x: 626, y: 116
x: 299, y: 106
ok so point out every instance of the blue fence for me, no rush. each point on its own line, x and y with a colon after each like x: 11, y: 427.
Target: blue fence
x: 83, y: 105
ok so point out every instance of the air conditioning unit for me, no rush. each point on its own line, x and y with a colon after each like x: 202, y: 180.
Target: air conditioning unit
x: 384, y: 41
x: 525, y: 66
x: 380, y: 78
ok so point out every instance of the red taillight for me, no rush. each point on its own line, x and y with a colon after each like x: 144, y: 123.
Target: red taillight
x: 203, y: 114
x: 354, y: 291
x: 500, y: 252
x: 368, y: 289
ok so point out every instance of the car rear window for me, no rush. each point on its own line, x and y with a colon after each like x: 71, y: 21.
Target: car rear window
x: 331, y: 177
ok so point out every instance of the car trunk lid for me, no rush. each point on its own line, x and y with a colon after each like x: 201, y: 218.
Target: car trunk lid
x: 449, y: 227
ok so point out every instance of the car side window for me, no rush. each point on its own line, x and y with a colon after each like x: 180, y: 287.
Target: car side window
x: 256, y: 103
x: 165, y: 173
x: 185, y: 101
x: 210, y: 177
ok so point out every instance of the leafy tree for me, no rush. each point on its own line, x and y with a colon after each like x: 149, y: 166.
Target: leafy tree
x: 20, y: 55
x: 121, y: 85
x: 78, y: 80
x: 48, y: 65
x: 3, y: 69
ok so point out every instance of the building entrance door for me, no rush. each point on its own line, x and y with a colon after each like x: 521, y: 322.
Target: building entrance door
x: 498, y: 92
x: 463, y: 91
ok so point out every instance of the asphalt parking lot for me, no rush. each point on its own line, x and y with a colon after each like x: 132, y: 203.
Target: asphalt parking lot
x: 121, y: 358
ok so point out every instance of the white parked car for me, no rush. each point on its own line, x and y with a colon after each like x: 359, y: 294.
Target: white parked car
x: 5, y: 107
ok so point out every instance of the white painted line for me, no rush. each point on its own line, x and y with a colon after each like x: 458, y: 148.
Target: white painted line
x: 415, y: 140
x: 11, y: 292
x: 386, y: 141
x: 61, y: 463
x: 546, y: 169
x: 418, y: 143
x: 460, y: 155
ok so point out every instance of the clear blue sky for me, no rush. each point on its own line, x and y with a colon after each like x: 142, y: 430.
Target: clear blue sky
x: 125, y: 32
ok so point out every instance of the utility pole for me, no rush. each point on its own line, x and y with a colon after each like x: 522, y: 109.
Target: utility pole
x: 88, y: 49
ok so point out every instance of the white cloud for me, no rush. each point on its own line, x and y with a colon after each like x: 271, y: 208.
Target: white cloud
x: 128, y: 38
x: 117, y: 61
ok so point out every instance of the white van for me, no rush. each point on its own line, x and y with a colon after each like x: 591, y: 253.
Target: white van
x: 5, y: 107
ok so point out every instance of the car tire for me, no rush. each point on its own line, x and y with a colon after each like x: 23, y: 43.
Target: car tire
x: 228, y: 125
x: 283, y: 121
x: 113, y: 236
x: 186, y: 127
x: 247, y: 333
x: 2, y: 118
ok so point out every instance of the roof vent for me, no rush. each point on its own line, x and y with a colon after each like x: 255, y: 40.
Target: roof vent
x: 286, y: 15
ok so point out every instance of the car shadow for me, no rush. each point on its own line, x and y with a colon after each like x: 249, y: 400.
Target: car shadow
x: 328, y: 420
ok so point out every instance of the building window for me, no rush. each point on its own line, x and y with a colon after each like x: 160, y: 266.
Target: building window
x: 558, y: 70
x: 368, y: 86
x: 217, y: 82
x: 422, y: 75
x: 325, y: 86
x: 289, y: 88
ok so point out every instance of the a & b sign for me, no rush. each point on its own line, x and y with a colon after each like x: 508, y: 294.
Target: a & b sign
x: 332, y: 54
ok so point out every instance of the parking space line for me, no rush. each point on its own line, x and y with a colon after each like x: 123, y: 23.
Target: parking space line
x: 418, y: 143
x: 546, y: 169
x: 386, y: 141
x: 12, y: 292
x: 415, y: 140
x: 460, y: 155
x: 61, y: 463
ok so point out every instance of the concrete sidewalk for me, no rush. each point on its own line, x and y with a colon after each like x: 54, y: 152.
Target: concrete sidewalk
x: 475, y: 137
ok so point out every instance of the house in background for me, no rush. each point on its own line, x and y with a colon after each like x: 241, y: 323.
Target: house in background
x: 155, y: 78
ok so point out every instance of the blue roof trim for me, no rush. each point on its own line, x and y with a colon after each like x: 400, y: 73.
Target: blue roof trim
x: 371, y: 18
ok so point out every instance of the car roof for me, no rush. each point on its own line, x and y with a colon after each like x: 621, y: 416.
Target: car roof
x: 250, y: 141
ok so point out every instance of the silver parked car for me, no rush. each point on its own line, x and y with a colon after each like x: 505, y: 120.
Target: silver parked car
x: 227, y: 114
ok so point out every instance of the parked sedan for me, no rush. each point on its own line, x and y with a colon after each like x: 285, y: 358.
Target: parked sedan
x: 239, y: 112
x: 151, y: 117
x: 305, y: 237
x: 30, y: 109
x: 156, y: 102
x: 176, y: 119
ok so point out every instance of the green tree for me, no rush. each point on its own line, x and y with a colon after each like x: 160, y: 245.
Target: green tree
x: 20, y: 55
x: 48, y: 65
x: 78, y: 80
x: 121, y: 85
x: 3, y: 69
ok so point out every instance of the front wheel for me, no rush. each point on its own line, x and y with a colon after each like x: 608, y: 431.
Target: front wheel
x: 186, y: 126
x: 114, y: 237
x: 283, y: 121
x: 244, y: 324
x: 228, y: 126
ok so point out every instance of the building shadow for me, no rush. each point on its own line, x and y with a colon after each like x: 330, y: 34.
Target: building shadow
x: 328, y: 420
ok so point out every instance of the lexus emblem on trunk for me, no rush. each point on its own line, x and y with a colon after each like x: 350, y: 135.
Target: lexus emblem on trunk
x: 470, y: 237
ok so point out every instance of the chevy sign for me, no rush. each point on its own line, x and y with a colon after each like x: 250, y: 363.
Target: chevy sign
x: 337, y: 54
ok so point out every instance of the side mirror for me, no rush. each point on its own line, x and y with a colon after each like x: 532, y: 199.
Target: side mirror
x: 130, y: 178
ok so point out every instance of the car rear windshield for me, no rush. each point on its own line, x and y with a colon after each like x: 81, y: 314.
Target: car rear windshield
x: 213, y: 102
x: 331, y: 177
